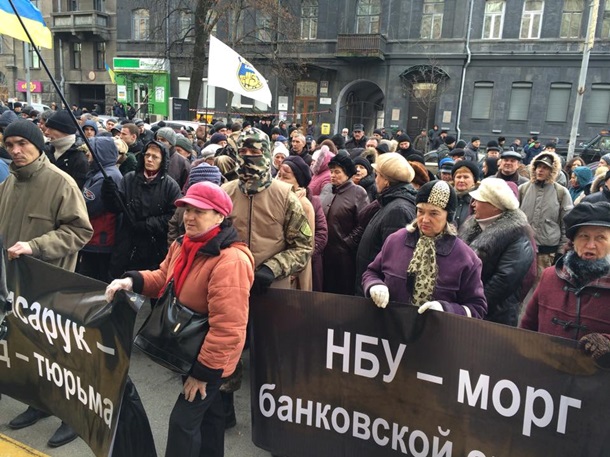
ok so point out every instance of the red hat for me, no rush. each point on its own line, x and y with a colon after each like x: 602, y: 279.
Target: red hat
x: 206, y: 195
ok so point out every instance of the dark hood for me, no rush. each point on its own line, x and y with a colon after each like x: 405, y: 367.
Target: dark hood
x: 105, y: 150
x: 400, y: 190
x: 164, y: 161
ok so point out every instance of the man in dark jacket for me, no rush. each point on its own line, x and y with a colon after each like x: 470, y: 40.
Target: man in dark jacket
x: 501, y: 237
x: 63, y: 150
x: 396, y: 209
x: 299, y: 148
x: 358, y: 138
x: 129, y: 134
x: 471, y: 151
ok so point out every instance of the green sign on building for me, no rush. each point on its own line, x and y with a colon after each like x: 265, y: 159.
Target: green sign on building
x: 145, y: 83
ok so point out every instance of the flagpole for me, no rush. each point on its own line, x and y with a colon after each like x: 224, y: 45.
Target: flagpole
x: 61, y: 95
x: 65, y: 102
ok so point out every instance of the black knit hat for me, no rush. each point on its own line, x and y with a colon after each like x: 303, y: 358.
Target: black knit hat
x: 62, y: 121
x: 403, y: 137
x: 344, y: 162
x: 27, y: 130
x: 365, y: 163
x: 450, y: 139
x: 585, y: 213
x: 438, y: 193
x: 472, y: 167
x: 301, y: 171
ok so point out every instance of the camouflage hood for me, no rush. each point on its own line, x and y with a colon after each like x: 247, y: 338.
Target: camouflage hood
x: 254, y: 170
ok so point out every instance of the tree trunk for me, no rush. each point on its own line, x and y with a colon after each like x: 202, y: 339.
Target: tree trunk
x: 199, y: 53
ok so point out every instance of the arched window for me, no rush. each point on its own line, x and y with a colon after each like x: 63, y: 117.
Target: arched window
x: 140, y: 26
x: 309, y: 20
x: 367, y: 16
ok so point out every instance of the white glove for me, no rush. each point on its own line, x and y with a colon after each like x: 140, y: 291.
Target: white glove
x: 434, y: 305
x: 380, y: 295
x: 118, y: 284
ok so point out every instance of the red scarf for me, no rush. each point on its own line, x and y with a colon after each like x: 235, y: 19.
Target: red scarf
x: 189, y: 249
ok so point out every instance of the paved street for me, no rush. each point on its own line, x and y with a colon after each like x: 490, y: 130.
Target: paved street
x: 158, y: 388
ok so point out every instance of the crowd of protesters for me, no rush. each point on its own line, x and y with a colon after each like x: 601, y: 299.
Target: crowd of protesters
x: 509, y: 234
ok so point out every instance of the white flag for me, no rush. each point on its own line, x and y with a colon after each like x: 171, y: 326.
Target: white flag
x: 229, y: 70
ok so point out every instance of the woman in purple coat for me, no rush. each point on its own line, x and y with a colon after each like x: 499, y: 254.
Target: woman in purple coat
x: 426, y: 264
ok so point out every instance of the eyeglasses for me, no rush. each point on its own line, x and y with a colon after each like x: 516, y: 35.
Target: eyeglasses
x: 152, y: 157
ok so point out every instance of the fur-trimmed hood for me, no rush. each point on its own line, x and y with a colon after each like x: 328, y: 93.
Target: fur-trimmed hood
x: 491, y: 242
x: 555, y: 170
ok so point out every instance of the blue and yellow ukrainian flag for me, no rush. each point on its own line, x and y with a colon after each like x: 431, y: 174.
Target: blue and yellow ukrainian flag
x: 32, y: 19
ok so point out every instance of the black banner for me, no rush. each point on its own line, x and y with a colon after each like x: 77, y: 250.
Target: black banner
x: 334, y: 376
x: 67, y: 350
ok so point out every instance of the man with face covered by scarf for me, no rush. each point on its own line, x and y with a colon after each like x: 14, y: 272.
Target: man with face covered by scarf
x: 269, y: 218
x: 572, y: 298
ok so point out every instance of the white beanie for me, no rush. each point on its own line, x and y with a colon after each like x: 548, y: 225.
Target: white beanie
x: 496, y: 192
x: 280, y: 148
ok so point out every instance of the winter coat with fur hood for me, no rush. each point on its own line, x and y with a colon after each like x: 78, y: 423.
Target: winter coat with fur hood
x: 507, y: 253
x: 545, y: 204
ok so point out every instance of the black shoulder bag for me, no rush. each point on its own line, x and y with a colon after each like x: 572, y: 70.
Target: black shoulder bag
x: 172, y: 334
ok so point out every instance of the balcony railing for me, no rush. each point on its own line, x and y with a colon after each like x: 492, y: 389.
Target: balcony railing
x: 79, y: 22
x: 356, y: 45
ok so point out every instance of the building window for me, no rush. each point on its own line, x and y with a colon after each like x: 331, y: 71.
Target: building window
x: 481, y: 100
x: 606, y: 21
x: 309, y: 20
x: 559, y: 101
x: 140, y: 24
x: 520, y: 101
x: 186, y: 30
x: 33, y: 57
x: 100, y: 55
x: 76, y: 55
x: 432, y: 20
x: 264, y: 31
x: 598, y: 108
x: 367, y: 16
x: 571, y: 18
x: 99, y: 5
x: 531, y: 21
x: 494, y: 19
x: 72, y: 5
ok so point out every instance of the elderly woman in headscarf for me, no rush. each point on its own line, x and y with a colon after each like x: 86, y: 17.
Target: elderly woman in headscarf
x: 425, y: 264
x: 396, y: 208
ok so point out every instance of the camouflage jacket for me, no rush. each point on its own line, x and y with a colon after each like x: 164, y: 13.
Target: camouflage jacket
x: 273, y: 224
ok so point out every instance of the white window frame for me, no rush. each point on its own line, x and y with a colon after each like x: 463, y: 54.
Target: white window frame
x: 264, y: 31
x: 529, y: 18
x: 140, y: 24
x: 572, y: 15
x: 433, y: 18
x: 309, y: 20
x: 370, y: 13
x: 491, y: 18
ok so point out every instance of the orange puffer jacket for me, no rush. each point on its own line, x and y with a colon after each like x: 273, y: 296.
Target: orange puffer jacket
x: 218, y: 284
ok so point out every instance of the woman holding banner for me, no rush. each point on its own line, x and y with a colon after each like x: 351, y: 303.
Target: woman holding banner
x: 212, y: 274
x: 425, y: 264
